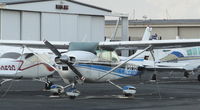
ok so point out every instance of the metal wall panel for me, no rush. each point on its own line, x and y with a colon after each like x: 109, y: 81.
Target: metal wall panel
x: 166, y: 33
x: 189, y: 32
x: 84, y: 28
x: 109, y: 30
x: 97, y: 29
x: 50, y: 26
x: 10, y: 25
x: 30, y: 26
x: 69, y: 27
x: 136, y: 33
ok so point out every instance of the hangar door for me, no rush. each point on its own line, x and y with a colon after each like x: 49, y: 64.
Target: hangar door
x: 166, y: 32
x: 90, y: 28
x: 189, y: 32
x: 10, y: 25
x: 60, y: 27
x: 30, y: 28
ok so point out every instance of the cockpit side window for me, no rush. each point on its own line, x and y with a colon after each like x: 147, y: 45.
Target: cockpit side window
x: 107, y: 55
x: 29, y: 55
x: 12, y: 55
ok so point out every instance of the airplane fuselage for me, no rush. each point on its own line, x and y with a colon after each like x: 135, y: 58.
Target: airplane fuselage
x: 21, y: 68
x: 92, y: 71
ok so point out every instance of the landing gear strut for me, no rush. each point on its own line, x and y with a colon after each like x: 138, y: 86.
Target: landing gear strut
x: 58, y: 90
x: 4, y: 81
x: 128, y: 91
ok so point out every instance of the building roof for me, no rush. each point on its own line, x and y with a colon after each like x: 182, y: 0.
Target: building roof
x: 11, y: 2
x: 158, y: 22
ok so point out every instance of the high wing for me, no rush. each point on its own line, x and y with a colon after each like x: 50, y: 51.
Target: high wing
x: 34, y: 44
x: 155, y: 44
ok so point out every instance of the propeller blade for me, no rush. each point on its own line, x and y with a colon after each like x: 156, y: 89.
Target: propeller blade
x: 56, y: 52
x: 52, y: 48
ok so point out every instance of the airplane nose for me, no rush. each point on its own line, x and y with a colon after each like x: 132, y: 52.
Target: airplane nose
x: 64, y: 58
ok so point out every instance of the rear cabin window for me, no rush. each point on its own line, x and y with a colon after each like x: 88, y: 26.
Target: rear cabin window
x: 11, y: 55
x: 193, y: 51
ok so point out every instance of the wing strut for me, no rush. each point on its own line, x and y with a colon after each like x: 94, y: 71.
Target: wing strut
x: 155, y: 73
x: 131, y: 57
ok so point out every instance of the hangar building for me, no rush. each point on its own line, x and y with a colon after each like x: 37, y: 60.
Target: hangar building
x: 54, y: 20
x: 166, y: 28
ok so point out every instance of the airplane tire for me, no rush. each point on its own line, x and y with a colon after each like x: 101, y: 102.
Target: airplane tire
x: 128, y: 95
x: 72, y: 97
x: 48, y: 86
x: 153, y: 77
x: 198, y: 77
x: 186, y: 74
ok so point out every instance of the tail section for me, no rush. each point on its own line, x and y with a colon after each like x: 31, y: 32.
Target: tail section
x: 147, y: 34
x: 146, y: 37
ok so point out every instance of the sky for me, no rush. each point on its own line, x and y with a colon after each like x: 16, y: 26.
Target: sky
x: 152, y: 9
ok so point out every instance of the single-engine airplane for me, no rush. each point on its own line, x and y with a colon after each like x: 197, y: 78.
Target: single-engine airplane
x: 18, y: 63
x: 185, y: 61
x: 98, y: 62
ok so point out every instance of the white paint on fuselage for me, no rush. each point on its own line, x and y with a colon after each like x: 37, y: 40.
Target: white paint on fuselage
x: 22, y: 67
x: 92, y: 67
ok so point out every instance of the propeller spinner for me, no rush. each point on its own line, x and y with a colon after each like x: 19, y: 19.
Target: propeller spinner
x: 63, y: 58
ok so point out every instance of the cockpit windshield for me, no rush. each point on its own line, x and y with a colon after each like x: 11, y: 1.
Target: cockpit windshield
x: 105, y: 55
x: 12, y: 55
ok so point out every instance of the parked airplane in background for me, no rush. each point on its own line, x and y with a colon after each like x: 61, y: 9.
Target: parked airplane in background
x: 185, y: 60
x: 17, y: 63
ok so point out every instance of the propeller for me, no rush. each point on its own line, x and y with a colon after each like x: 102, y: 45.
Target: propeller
x: 63, y: 58
x: 52, y: 48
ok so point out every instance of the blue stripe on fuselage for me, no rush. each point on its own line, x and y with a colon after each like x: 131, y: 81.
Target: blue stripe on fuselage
x: 119, y: 71
x: 134, y: 59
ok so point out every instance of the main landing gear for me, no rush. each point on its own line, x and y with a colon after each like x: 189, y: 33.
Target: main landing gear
x: 58, y: 90
x: 72, y: 92
x: 128, y: 91
x: 45, y: 80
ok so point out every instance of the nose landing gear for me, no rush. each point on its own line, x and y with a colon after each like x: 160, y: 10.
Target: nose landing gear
x: 72, y: 93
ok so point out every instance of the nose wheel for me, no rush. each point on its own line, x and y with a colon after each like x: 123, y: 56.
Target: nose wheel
x: 48, y: 85
x: 72, y: 93
x: 198, y: 77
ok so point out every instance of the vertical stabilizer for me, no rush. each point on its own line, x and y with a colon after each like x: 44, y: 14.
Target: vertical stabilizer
x: 147, y: 34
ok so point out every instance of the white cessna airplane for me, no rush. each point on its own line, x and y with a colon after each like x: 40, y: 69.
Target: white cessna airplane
x: 173, y: 60
x: 185, y: 60
x: 17, y: 63
x: 97, y: 62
